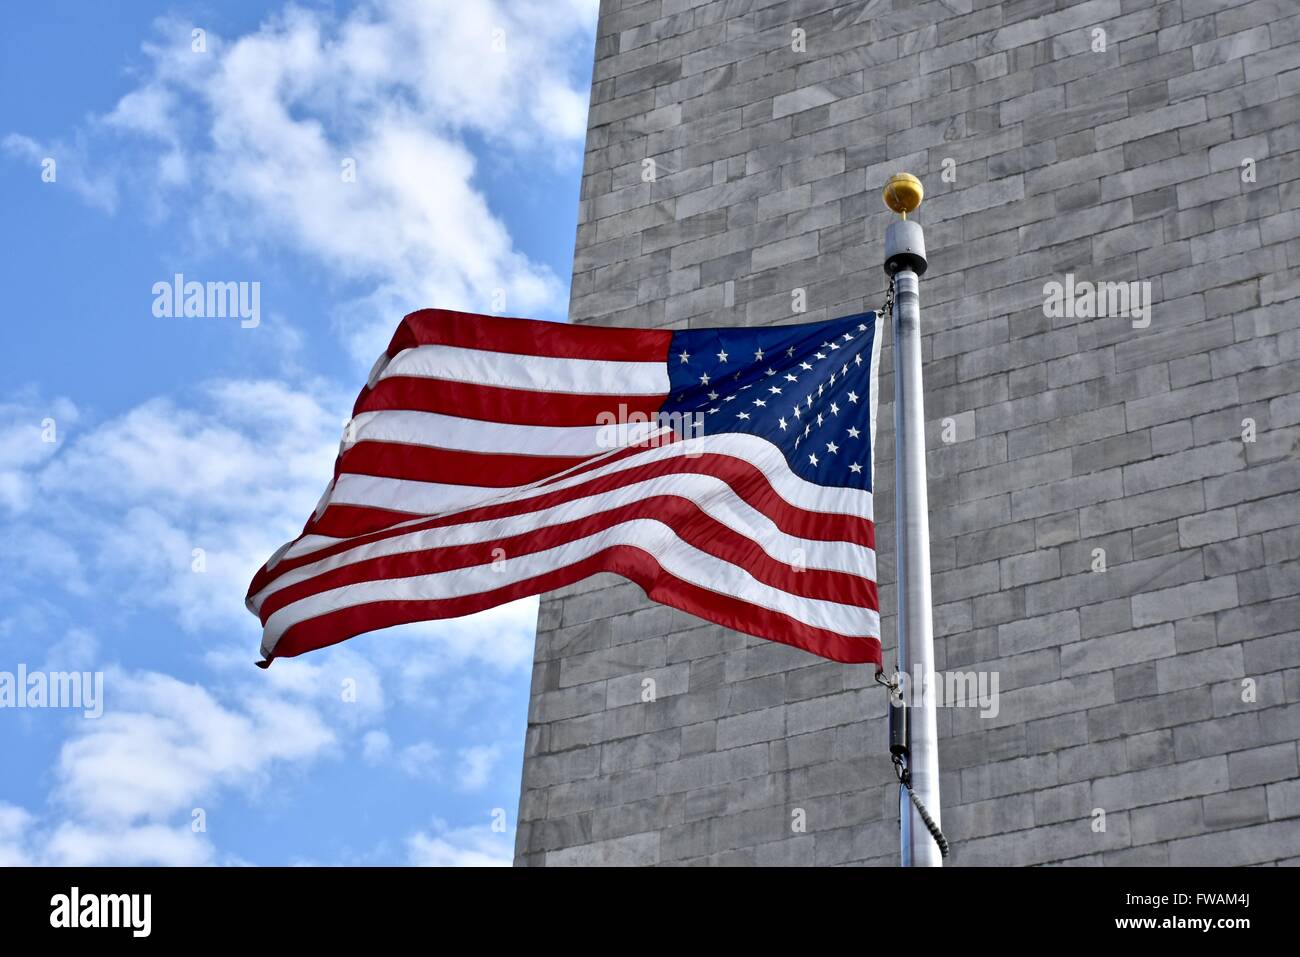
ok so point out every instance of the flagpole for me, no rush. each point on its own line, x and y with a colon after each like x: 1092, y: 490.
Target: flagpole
x: 905, y: 261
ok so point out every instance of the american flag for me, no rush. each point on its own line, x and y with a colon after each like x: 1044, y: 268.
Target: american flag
x: 726, y: 471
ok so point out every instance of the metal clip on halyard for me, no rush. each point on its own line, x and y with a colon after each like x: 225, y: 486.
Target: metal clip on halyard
x: 900, y: 742
x: 887, y: 309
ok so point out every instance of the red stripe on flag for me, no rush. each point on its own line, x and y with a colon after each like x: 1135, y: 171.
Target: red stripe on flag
x: 420, y: 463
x: 491, y: 403
x: 632, y: 563
x: 340, y: 520
x: 529, y: 337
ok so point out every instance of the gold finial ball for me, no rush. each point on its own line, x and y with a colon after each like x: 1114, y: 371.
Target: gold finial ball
x: 903, y: 193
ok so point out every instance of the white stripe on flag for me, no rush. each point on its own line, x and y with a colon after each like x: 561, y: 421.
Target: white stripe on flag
x: 435, y: 430
x: 535, y: 373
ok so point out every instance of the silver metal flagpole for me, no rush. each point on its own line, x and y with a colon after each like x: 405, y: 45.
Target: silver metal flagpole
x: 905, y: 262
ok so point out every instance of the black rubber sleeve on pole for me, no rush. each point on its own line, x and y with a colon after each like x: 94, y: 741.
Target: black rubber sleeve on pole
x: 900, y: 731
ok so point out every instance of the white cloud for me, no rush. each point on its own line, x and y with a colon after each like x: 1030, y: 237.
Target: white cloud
x: 256, y: 131
x: 164, y: 747
x: 71, y: 168
x: 78, y: 650
x: 430, y: 648
x: 127, y: 503
x: 214, y: 454
x: 476, y: 765
x: 31, y: 553
x: 462, y: 847
x: 75, y: 845
x: 127, y: 784
x: 344, y: 683
x: 31, y: 429
x: 15, y: 826
x: 420, y: 760
x: 472, y: 769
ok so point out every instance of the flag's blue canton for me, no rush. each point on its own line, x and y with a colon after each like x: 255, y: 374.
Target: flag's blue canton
x: 805, y: 388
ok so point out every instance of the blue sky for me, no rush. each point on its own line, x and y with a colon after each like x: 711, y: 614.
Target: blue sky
x: 129, y: 441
